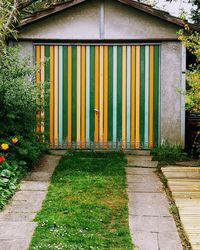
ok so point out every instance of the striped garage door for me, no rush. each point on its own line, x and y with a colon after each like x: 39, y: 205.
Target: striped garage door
x: 101, y: 96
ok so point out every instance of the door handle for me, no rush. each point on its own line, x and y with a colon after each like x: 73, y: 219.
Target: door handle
x: 96, y: 110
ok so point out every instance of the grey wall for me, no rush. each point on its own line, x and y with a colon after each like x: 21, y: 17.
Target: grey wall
x: 171, y: 109
x: 84, y: 21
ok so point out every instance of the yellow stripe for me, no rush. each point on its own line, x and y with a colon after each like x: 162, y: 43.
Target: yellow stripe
x: 83, y: 80
x: 38, y: 79
x: 96, y: 122
x: 78, y: 95
x: 101, y: 96
x: 51, y: 95
x: 133, y: 98
x: 151, y: 59
x: 105, y: 134
x: 56, y: 95
x: 137, y: 120
x: 123, y: 96
x: 69, y: 106
x: 42, y: 90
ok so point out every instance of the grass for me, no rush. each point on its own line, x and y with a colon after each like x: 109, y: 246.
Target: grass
x: 86, y: 205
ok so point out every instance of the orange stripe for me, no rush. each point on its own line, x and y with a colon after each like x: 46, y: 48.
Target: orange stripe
x: 96, y: 120
x: 51, y: 127
x: 151, y: 59
x: 83, y: 82
x: 69, y: 137
x: 105, y: 135
x: 133, y: 98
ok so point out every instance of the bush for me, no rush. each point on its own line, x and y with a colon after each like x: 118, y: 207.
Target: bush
x: 20, y: 146
x: 167, y: 153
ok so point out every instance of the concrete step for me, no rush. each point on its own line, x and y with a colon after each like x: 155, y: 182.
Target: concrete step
x: 141, y: 161
x: 137, y: 152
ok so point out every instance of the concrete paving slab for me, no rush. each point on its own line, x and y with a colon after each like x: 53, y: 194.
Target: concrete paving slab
x: 14, y: 244
x: 24, y: 206
x: 141, y: 178
x: 38, y: 176
x: 16, y: 230
x: 145, y: 241
x: 169, y: 241
x: 139, y: 171
x: 33, y: 186
x: 14, y: 216
x: 152, y: 224
x: 145, y: 187
x: 151, y: 204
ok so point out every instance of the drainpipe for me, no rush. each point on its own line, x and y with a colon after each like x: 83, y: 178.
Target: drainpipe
x: 183, y: 88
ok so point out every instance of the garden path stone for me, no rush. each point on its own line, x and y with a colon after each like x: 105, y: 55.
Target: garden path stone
x: 151, y: 225
x: 16, y: 220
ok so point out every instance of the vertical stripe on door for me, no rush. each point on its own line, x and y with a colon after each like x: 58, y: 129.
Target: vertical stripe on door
x: 60, y: 100
x: 105, y: 95
x: 142, y: 95
x: 110, y: 95
x: 146, y: 133
x: 69, y: 99
x: 65, y: 95
x: 74, y: 94
x: 137, y: 98
x: 151, y: 89
x: 51, y: 127
x: 42, y: 89
x: 128, y: 97
x: 87, y: 95
x: 56, y: 95
x: 133, y: 95
x: 92, y: 92
x: 124, y: 76
x: 78, y: 96
x: 83, y: 91
x: 96, y: 97
x: 115, y: 106
x: 119, y: 95
x: 101, y: 97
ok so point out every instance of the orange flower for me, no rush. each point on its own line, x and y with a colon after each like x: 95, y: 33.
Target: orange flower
x: 2, y: 158
x: 4, y: 146
x: 14, y: 140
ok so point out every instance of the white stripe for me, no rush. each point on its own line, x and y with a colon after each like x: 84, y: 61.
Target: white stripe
x: 60, y: 101
x: 128, y: 94
x: 87, y: 95
x: 114, y: 94
x: 146, y: 133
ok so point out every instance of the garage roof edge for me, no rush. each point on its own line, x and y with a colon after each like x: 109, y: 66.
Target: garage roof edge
x: 137, y: 5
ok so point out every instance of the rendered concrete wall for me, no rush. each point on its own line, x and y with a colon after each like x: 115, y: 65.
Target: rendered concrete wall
x: 123, y: 22
x: 86, y: 21
x: 171, y: 113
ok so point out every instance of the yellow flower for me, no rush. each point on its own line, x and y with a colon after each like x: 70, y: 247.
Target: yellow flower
x: 4, y: 146
x: 14, y: 140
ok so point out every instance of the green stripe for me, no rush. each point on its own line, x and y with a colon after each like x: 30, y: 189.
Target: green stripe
x: 156, y: 94
x: 119, y: 93
x: 65, y: 92
x: 92, y: 79
x: 46, y: 91
x: 142, y: 95
x: 110, y: 93
x: 74, y: 82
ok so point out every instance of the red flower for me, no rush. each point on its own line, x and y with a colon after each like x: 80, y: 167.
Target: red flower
x: 2, y: 159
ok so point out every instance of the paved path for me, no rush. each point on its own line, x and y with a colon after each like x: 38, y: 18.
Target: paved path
x: 152, y: 226
x: 184, y: 183
x: 16, y: 220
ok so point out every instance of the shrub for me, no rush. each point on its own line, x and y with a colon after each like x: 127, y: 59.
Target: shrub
x: 20, y: 146
x: 168, y: 153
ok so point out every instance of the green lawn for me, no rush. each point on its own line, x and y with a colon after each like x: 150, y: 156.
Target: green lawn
x: 86, y: 205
